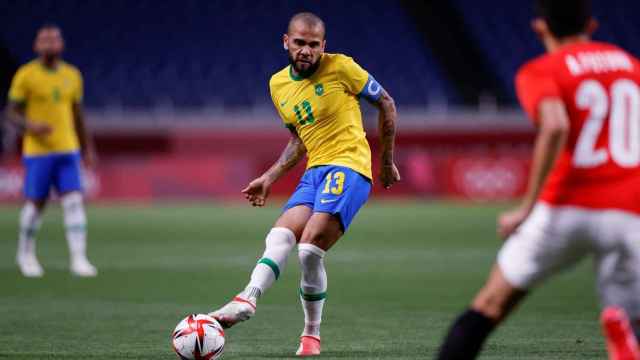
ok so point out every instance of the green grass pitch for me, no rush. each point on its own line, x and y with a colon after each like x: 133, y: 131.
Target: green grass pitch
x: 396, y: 280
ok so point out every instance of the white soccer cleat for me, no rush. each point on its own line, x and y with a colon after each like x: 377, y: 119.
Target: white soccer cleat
x: 30, y: 266
x: 81, y: 267
x: 237, y: 310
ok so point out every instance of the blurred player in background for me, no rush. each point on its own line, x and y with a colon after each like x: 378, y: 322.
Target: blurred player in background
x: 584, y: 191
x: 45, y: 103
x: 317, y: 98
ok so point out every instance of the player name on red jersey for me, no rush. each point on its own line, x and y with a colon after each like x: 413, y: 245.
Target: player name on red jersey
x: 598, y: 62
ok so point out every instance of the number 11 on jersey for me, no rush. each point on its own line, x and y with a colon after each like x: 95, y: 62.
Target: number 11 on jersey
x: 309, y: 119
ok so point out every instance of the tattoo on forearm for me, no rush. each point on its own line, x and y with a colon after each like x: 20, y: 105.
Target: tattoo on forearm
x: 292, y: 154
x: 387, y: 128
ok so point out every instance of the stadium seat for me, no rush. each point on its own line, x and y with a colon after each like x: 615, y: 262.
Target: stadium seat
x: 192, y: 53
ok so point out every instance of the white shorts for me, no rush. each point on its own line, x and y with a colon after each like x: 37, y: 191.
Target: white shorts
x: 555, y: 238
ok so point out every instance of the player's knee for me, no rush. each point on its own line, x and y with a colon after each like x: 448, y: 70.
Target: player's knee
x: 294, y: 220
x: 73, y: 208
x: 71, y: 200
x: 38, y: 205
x: 318, y: 237
x: 313, y: 273
x: 281, y: 238
x: 310, y: 254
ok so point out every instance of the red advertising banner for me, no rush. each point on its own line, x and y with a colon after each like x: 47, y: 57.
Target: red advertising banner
x: 206, y: 165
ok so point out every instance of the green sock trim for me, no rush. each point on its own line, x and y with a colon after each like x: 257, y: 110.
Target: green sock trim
x: 272, y: 264
x: 313, y: 297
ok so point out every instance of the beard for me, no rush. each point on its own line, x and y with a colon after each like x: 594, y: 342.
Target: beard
x: 304, y: 72
x: 50, y: 55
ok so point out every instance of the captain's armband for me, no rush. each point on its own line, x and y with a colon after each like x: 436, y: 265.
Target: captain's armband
x: 372, y: 90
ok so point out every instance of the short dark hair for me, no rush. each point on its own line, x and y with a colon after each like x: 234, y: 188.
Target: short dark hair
x: 565, y: 17
x: 309, y: 19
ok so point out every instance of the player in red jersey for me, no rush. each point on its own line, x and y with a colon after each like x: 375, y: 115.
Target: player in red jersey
x: 584, y: 189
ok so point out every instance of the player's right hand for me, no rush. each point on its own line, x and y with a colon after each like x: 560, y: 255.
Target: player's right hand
x: 38, y: 128
x: 257, y: 191
x: 389, y: 175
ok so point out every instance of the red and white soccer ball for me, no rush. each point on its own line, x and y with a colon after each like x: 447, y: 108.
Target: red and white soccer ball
x: 198, y: 337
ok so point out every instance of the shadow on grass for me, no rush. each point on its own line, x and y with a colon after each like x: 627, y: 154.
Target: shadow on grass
x: 347, y: 354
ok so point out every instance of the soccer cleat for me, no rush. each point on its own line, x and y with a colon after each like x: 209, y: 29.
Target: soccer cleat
x: 621, y: 341
x: 81, y: 267
x: 30, y: 266
x: 239, y: 309
x: 309, y: 346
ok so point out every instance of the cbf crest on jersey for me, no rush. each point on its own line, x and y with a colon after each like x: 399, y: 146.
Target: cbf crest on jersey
x: 319, y: 89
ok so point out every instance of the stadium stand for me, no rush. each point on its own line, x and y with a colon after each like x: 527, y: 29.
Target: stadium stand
x: 500, y: 28
x: 130, y: 59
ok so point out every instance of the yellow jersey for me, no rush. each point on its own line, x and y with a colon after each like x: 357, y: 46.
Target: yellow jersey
x: 48, y: 96
x: 324, y: 110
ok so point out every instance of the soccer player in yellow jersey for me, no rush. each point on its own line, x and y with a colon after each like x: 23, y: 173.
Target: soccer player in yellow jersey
x: 317, y: 98
x: 45, y: 104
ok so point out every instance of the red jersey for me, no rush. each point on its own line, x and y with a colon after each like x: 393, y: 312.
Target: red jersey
x: 599, y: 167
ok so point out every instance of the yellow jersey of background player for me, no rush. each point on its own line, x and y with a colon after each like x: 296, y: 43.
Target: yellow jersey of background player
x: 317, y: 99
x: 45, y: 103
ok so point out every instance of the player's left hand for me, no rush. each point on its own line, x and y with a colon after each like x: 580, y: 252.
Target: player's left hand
x: 257, y: 191
x: 509, y: 221
x: 389, y: 175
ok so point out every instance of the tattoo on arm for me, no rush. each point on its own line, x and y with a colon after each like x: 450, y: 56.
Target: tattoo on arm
x: 387, y: 119
x: 290, y: 157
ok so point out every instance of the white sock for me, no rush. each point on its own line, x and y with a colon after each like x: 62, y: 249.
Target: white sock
x: 279, y: 243
x: 75, y: 222
x: 30, y: 222
x: 313, y: 287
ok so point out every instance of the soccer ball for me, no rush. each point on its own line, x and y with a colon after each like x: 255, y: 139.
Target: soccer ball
x: 198, y: 337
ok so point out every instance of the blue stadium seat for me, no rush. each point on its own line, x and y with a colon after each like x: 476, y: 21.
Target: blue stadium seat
x: 194, y: 53
x: 502, y: 31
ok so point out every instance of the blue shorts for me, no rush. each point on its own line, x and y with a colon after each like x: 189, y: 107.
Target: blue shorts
x: 62, y: 171
x: 336, y: 190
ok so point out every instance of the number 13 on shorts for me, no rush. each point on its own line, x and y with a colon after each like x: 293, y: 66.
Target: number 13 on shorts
x: 334, y: 183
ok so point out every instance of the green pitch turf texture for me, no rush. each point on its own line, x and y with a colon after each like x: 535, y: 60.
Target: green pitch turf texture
x: 396, y: 281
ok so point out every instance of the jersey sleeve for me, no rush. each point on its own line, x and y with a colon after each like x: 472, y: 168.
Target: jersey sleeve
x: 358, y: 81
x: 534, y: 86
x: 278, y: 109
x: 19, y: 87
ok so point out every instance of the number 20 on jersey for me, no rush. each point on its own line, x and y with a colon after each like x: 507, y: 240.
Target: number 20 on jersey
x: 622, y: 104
